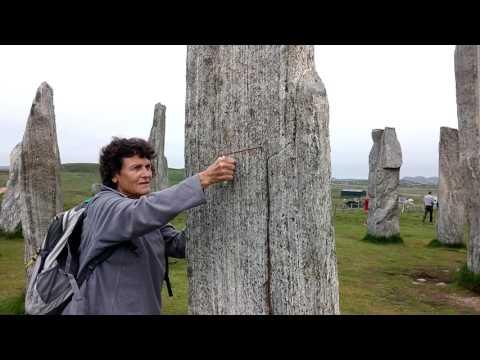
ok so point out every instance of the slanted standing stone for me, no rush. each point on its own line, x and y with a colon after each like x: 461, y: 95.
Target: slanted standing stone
x: 10, y: 213
x: 385, y: 161
x: 157, y: 140
x: 263, y: 244
x: 451, y: 210
x: 95, y: 188
x: 467, y: 59
x: 41, y: 196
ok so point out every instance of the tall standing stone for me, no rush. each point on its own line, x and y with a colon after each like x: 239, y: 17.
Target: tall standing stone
x: 10, y: 212
x: 41, y: 196
x: 263, y: 244
x: 157, y: 140
x: 451, y: 210
x: 385, y: 161
x: 468, y: 111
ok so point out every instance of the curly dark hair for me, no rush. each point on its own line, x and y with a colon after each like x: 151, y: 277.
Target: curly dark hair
x: 111, y: 156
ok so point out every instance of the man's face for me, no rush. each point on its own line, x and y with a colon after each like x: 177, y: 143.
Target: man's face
x: 134, y: 177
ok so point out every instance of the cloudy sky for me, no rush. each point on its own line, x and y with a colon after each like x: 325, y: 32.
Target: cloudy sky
x: 104, y: 91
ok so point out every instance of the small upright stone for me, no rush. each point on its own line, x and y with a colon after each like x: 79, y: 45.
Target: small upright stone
x: 157, y: 140
x: 451, y: 209
x: 95, y: 188
x: 10, y: 213
x: 41, y: 197
x: 385, y: 161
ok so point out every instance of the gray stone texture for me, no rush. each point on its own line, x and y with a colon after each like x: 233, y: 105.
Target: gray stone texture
x: 157, y: 140
x: 10, y: 211
x: 263, y: 244
x: 41, y: 197
x: 451, y: 211
x: 385, y: 161
x: 468, y: 108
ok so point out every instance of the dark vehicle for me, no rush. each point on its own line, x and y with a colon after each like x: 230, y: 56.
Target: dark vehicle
x: 352, y: 198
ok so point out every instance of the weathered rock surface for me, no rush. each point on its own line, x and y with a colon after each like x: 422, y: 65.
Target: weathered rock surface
x: 385, y: 160
x: 263, y: 244
x: 468, y: 107
x: 10, y: 212
x: 451, y: 210
x: 157, y: 140
x: 41, y: 197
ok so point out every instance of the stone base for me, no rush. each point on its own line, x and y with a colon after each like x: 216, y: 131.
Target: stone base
x: 394, y: 239
x: 17, y: 234
x: 436, y: 244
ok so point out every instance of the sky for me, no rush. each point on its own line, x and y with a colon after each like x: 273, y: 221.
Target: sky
x: 102, y: 91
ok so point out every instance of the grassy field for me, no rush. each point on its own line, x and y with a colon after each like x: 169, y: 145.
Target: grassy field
x: 408, y: 278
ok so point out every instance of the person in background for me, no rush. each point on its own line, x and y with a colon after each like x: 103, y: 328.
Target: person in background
x: 428, y: 201
x: 365, y: 209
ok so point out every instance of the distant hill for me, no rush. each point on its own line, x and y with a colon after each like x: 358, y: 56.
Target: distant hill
x: 4, y: 168
x: 405, y: 181
x: 350, y: 181
x: 80, y: 167
x: 419, y: 180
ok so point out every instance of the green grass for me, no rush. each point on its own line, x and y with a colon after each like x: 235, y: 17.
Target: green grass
x: 80, y: 168
x: 13, y: 305
x: 468, y: 279
x: 12, y: 274
x: 380, y: 279
x: 373, y: 279
x: 175, y: 176
x: 3, y: 178
x: 76, y: 187
x: 178, y: 303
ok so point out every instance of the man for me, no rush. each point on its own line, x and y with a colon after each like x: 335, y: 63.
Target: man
x: 365, y: 209
x: 428, y: 200
x: 126, y: 215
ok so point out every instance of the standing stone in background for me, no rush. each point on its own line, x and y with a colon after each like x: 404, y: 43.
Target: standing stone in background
x: 41, y: 197
x: 10, y: 213
x: 385, y: 161
x: 451, y: 210
x: 95, y: 188
x: 263, y: 244
x: 157, y: 140
x: 468, y: 107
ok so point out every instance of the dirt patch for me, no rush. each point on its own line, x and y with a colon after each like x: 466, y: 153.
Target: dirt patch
x: 439, y: 276
x: 472, y: 302
x: 433, y: 275
x: 2, y: 190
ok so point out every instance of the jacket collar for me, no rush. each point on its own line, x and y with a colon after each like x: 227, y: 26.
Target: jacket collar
x: 107, y: 188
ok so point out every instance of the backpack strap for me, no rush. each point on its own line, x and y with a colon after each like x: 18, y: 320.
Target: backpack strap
x: 167, y: 278
x: 87, y: 271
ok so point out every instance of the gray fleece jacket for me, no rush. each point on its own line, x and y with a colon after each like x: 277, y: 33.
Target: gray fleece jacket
x: 129, y: 282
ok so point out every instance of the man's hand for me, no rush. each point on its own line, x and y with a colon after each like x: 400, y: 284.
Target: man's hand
x: 222, y: 169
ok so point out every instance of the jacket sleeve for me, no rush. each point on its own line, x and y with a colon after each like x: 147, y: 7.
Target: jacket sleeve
x: 118, y: 219
x: 175, y: 241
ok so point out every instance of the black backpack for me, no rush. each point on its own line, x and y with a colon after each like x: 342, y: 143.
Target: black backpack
x: 55, y: 277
